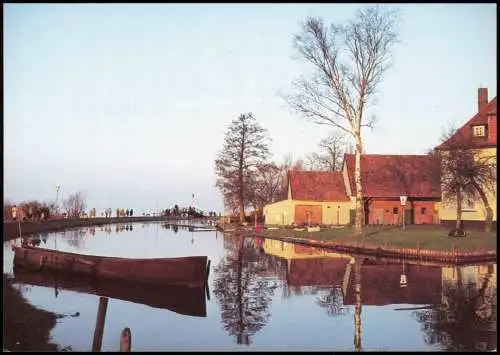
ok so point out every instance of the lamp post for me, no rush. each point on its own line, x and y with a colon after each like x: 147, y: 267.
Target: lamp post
x: 403, y: 199
x: 57, y: 196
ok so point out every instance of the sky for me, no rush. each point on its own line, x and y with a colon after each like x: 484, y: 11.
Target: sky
x: 129, y: 103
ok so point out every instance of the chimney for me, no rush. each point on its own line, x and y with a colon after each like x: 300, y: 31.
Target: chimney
x: 482, y: 99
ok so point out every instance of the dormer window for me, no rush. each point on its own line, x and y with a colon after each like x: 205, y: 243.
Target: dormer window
x: 479, y: 131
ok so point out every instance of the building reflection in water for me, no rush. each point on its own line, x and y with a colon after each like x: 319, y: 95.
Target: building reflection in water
x: 455, y: 305
x: 465, y: 319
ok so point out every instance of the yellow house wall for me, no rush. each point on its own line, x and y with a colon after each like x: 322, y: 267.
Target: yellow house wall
x: 283, y: 212
x: 473, y: 273
x: 448, y: 209
x: 279, y: 213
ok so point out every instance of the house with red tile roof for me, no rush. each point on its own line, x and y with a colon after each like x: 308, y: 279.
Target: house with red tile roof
x: 314, y: 198
x: 480, y: 134
x: 385, y: 178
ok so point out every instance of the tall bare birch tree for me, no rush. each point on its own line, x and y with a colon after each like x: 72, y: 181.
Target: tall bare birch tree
x: 349, y: 62
x: 245, y: 149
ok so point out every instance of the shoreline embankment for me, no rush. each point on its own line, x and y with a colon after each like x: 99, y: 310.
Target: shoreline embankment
x: 11, y: 228
x: 454, y: 256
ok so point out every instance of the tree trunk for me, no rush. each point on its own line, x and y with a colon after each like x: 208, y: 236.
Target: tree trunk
x: 357, y: 308
x: 241, y: 201
x: 359, y: 222
x: 458, y: 225
x: 489, y: 211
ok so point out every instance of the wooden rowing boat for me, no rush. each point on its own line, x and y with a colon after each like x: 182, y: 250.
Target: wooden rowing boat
x: 183, y: 271
x: 190, y: 301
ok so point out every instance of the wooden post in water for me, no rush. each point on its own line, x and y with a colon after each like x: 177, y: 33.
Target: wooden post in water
x: 126, y: 340
x: 99, y: 325
x: 207, y: 271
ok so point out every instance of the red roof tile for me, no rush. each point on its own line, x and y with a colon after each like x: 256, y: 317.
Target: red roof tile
x: 390, y: 176
x: 463, y: 136
x: 317, y: 186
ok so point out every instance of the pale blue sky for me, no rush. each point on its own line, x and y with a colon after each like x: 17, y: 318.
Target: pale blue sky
x: 130, y: 102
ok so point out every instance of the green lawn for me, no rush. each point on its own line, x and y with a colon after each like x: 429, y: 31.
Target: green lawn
x: 429, y: 237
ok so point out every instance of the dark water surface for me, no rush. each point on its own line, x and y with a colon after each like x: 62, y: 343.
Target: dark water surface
x: 270, y: 295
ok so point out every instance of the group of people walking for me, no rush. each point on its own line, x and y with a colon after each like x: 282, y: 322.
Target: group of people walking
x: 120, y: 212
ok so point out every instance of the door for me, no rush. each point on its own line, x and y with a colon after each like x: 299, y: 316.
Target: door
x: 305, y: 214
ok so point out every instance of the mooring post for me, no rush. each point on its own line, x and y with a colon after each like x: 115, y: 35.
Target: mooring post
x: 99, y: 326
x: 126, y: 340
x: 207, y: 271
x: 207, y: 291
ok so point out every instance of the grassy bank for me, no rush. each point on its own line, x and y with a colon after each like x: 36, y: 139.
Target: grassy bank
x: 427, y: 237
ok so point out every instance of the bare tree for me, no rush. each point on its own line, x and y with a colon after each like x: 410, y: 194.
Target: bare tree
x: 245, y: 147
x: 7, y: 209
x: 349, y: 62
x: 466, y: 175
x: 287, y: 162
x: 331, y: 155
x: 285, y: 167
x: 75, y: 204
x: 267, y: 186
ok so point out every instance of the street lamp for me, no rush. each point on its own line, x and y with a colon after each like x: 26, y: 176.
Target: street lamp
x: 57, y: 197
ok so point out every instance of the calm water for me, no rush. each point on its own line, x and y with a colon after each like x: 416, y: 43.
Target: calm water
x: 269, y: 295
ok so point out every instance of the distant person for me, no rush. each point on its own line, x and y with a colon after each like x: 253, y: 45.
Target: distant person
x: 131, y: 212
x: 117, y: 212
x: 126, y: 213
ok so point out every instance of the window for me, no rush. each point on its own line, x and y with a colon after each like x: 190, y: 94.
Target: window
x: 478, y: 131
x: 423, y: 210
x: 395, y: 210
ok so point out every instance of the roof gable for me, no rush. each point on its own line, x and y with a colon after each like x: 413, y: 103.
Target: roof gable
x: 390, y: 176
x: 464, y: 138
x: 317, y: 186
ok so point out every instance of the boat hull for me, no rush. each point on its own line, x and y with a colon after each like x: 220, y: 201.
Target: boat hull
x: 184, y: 271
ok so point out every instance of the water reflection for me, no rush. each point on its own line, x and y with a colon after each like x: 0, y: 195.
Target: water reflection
x: 243, y: 291
x: 189, y: 301
x: 269, y: 295
x: 459, y: 313
x: 465, y: 319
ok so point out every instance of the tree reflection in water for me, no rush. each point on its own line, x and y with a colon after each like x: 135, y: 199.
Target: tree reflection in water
x: 76, y: 238
x: 333, y: 301
x: 466, y: 319
x: 242, y: 288
x: 358, y: 306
